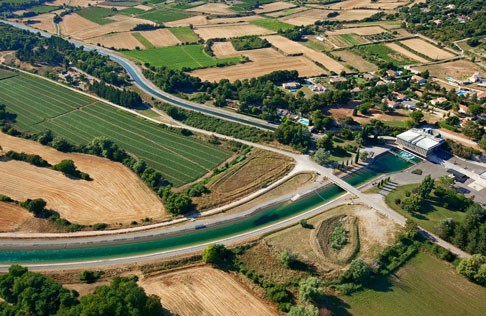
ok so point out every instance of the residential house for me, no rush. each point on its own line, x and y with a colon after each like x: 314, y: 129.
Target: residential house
x: 419, y: 79
x: 481, y: 95
x: 438, y: 101
x: 391, y: 73
x: 291, y: 85
x: 381, y: 83
x: 463, y: 18
x: 336, y: 80
x: 356, y: 90
x: 463, y: 109
x: 394, y: 104
x: 409, y: 105
x: 476, y: 77
x: 398, y: 96
x: 369, y: 77
x: 318, y: 88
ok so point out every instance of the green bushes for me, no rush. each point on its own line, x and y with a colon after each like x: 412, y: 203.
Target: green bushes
x: 249, y: 42
x: 35, y: 160
x: 67, y: 167
x: 89, y: 276
x: 35, y: 206
x: 338, y: 237
x: 474, y: 268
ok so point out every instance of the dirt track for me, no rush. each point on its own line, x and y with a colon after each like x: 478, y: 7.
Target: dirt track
x: 116, y: 194
x: 205, y: 291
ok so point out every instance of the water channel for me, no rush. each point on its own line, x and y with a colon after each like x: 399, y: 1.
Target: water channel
x: 384, y: 163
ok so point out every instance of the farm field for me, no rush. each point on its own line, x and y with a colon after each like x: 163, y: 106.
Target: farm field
x: 41, y: 9
x: 369, y: 30
x: 355, y: 60
x: 260, y: 169
x: 359, y: 4
x: 97, y: 15
x: 115, y: 195
x: 118, y: 40
x: 184, y: 34
x: 423, y: 47
x: 205, y: 291
x: 263, y: 61
x: 45, y: 22
x: 344, y: 40
x: 275, y: 6
x: 192, y: 20
x: 291, y: 48
x: 282, y: 13
x: 74, y: 23
x: 424, y: 286
x: 4, y: 74
x: 405, y: 52
x: 179, y: 57
x: 12, y: 216
x: 458, y: 69
x: 386, y: 54
x: 310, y: 16
x: 164, y: 15
x: 230, y: 31
x: 160, y: 37
x: 144, y: 41
x: 80, y: 118
x: 213, y: 9
x: 224, y: 49
x: 272, y: 24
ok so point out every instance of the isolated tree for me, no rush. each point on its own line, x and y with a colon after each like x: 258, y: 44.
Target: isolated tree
x: 412, y: 203
x: 416, y: 117
x: 309, y: 290
x: 358, y: 271
x: 217, y: 254
x: 288, y: 259
x: 35, y: 206
x: 426, y: 187
x: 322, y: 157
x: 300, y: 310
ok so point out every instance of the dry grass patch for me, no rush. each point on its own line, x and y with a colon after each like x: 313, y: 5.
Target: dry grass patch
x: 12, y: 216
x: 263, y: 61
x: 73, y: 23
x: 116, y: 194
x: 117, y: 40
x: 205, y: 291
x: 76, y: 3
x: 213, y: 9
x: 424, y: 47
x: 356, y: 61
x: 259, y: 170
x: 143, y: 7
x: 161, y: 37
x: 45, y: 22
x: 275, y: 6
x: 358, y: 4
x: 368, y: 30
x: 458, y: 69
x: 310, y: 16
x: 224, y: 49
x: 406, y: 52
x: 193, y: 20
x: 292, y: 48
x: 234, y: 20
x: 230, y: 31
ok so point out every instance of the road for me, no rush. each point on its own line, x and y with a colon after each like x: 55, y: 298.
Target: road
x: 303, y: 162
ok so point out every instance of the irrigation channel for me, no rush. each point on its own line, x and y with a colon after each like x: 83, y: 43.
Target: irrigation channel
x: 384, y: 163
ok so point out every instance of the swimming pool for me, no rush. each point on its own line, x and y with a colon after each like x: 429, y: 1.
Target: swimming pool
x: 304, y: 121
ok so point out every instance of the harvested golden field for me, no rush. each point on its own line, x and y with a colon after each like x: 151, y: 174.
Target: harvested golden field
x: 367, y: 30
x: 424, y: 47
x: 358, y: 4
x: 116, y: 40
x: 194, y: 20
x: 310, y: 16
x: 73, y: 23
x: 286, y: 12
x: 12, y: 216
x: 260, y: 169
x: 45, y: 22
x: 213, y: 9
x: 355, y: 60
x: 458, y: 69
x: 204, y: 291
x: 76, y: 3
x: 263, y: 61
x: 143, y: 7
x: 292, y: 48
x: 224, y: 49
x: 81, y: 28
x: 160, y: 37
x: 406, y: 52
x: 276, y: 6
x: 230, y: 31
x: 116, y: 194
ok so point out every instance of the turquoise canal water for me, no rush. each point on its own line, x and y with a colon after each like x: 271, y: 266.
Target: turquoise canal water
x: 383, y: 164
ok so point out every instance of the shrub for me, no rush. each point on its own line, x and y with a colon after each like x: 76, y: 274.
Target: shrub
x: 89, y: 276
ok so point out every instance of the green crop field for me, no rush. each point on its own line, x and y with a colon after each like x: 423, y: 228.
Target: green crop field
x: 272, y: 24
x: 130, y: 11
x: 4, y: 74
x: 143, y: 40
x: 41, y: 9
x: 352, y: 39
x: 424, y: 286
x: 386, y: 54
x: 97, y: 15
x: 165, y: 15
x: 179, y: 57
x: 184, y: 34
x: 42, y: 105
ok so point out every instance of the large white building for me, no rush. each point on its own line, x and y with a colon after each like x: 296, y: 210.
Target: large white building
x: 420, y: 141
